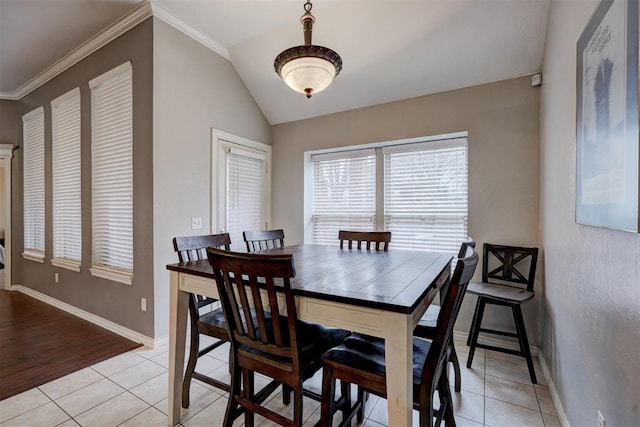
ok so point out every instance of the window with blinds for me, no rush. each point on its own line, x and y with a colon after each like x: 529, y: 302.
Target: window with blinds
x: 112, y: 174
x: 33, y: 142
x: 67, y: 221
x: 344, y: 194
x: 425, y: 195
x: 422, y: 188
x: 245, y: 193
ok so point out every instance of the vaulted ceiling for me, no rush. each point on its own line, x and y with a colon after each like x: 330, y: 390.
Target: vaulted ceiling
x: 391, y: 49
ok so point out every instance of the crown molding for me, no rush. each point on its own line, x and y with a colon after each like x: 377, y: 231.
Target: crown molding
x: 124, y: 24
x: 166, y: 16
x: 141, y: 12
x: 11, y: 96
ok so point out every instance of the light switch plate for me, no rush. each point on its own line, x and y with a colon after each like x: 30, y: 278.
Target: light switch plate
x: 196, y: 223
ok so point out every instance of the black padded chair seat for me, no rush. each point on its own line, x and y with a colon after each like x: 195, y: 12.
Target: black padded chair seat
x: 429, y: 320
x: 314, y: 340
x: 213, y: 323
x: 506, y: 293
x: 366, y: 354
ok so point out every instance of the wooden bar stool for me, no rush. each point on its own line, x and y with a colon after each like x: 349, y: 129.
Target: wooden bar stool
x: 508, y: 275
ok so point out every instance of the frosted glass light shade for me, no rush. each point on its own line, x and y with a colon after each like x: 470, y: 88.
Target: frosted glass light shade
x: 308, y: 69
x: 308, y: 74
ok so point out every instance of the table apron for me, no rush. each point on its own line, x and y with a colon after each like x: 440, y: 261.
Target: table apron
x: 370, y: 321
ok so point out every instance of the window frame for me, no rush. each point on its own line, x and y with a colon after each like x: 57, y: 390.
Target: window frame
x: 362, y: 214
x: 58, y: 103
x: 34, y: 254
x: 399, y: 145
x: 448, y: 222
x: 110, y: 272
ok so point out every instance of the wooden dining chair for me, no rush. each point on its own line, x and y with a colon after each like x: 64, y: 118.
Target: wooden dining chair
x: 508, y: 276
x: 379, y: 239
x: 211, y: 322
x: 426, y: 327
x: 259, y: 240
x: 266, y: 335
x: 360, y: 360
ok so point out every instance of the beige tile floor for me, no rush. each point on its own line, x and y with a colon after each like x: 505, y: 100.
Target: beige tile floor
x: 131, y: 390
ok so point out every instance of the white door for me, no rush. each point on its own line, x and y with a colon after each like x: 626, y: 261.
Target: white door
x: 243, y: 196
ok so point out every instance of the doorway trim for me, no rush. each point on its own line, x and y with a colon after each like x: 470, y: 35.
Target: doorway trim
x: 6, y: 154
x: 219, y: 138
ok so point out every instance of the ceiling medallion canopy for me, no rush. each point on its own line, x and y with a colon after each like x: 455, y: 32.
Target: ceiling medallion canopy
x: 307, y: 68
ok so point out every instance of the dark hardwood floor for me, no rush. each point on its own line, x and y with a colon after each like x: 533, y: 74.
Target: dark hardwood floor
x: 39, y: 343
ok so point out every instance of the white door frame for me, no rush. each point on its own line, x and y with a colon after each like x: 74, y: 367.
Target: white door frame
x: 6, y: 153
x: 218, y: 138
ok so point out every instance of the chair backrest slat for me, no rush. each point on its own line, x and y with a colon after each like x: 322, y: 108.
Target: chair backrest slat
x: 381, y: 239
x: 254, y: 319
x: 512, y: 264
x: 258, y: 240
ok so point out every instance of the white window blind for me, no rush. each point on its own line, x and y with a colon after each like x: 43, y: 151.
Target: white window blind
x: 33, y: 141
x: 425, y: 195
x: 245, y: 191
x: 112, y: 174
x: 344, y: 194
x: 67, y: 221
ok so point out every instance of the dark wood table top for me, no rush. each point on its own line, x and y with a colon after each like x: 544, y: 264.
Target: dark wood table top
x: 396, y: 281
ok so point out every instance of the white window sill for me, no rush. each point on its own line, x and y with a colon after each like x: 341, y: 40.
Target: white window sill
x: 112, y: 274
x: 66, y: 263
x: 34, y: 256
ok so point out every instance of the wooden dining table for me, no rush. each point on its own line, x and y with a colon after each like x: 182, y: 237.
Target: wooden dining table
x: 383, y: 294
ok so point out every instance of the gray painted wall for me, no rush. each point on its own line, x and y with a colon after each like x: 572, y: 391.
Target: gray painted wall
x: 9, y: 128
x: 592, y: 275
x: 502, y: 121
x: 195, y: 90
x: 113, y: 301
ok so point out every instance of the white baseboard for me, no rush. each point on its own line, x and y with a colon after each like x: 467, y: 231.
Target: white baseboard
x: 85, y: 315
x: 562, y: 416
x: 535, y: 351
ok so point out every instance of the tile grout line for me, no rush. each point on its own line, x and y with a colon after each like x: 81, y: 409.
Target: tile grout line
x: 61, y: 408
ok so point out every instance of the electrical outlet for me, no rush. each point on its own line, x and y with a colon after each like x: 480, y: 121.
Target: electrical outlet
x: 56, y: 278
x: 143, y: 304
x: 196, y: 223
x: 601, y: 421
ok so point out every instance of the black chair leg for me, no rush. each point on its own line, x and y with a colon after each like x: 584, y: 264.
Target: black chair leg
x: 328, y: 397
x: 456, y: 367
x: 233, y: 410
x: 476, y: 329
x: 191, y: 366
x: 297, y: 404
x: 523, y: 341
x: 247, y: 393
x: 445, y: 412
x: 473, y: 322
x: 362, y: 397
x: 345, y: 396
x: 286, y: 394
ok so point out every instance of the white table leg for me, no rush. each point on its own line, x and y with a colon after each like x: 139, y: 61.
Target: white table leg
x: 399, y: 361
x: 177, y: 335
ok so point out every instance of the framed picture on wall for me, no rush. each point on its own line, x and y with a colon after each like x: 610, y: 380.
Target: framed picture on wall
x: 607, y: 180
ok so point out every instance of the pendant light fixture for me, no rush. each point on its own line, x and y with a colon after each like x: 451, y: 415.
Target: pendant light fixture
x: 308, y: 69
